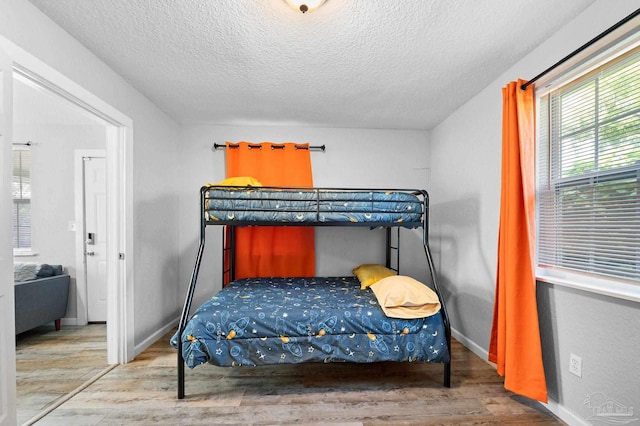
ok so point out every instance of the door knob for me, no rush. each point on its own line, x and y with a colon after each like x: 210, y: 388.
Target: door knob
x: 90, y: 253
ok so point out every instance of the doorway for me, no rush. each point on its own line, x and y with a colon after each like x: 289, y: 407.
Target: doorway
x: 91, y: 235
x: 53, y: 130
x: 119, y: 154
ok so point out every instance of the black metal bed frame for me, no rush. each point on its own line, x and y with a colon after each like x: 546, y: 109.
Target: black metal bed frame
x: 232, y: 224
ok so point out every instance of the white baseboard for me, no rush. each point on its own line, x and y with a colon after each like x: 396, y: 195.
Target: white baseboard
x: 553, y: 406
x: 470, y: 344
x: 69, y: 321
x: 140, y: 347
x: 563, y: 414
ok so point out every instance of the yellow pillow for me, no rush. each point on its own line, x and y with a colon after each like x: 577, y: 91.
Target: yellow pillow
x: 404, y: 297
x: 237, y: 181
x: 369, y: 273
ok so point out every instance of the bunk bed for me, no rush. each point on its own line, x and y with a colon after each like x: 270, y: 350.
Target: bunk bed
x: 261, y: 321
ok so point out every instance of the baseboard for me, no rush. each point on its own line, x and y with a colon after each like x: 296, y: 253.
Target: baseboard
x: 470, y: 344
x: 68, y: 321
x: 563, y: 414
x: 140, y: 347
x: 553, y: 406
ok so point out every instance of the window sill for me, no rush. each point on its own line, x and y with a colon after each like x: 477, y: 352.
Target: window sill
x: 590, y: 283
x: 24, y: 253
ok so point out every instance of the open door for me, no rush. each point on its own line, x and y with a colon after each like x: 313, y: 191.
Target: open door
x: 95, y: 233
x: 7, y: 316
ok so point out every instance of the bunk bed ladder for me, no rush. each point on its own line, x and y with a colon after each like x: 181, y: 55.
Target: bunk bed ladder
x: 228, y: 254
x: 393, y: 247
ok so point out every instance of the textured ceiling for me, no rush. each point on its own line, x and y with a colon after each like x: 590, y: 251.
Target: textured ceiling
x: 400, y: 64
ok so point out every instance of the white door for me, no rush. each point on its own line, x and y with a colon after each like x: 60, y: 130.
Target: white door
x: 95, y: 213
x: 7, y: 318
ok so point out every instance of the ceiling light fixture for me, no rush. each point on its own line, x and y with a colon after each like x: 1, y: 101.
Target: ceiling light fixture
x: 305, y: 6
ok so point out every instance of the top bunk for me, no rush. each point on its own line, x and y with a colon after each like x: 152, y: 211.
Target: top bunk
x: 300, y: 206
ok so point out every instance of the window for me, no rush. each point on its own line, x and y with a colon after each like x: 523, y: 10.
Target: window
x: 589, y: 172
x: 21, y: 189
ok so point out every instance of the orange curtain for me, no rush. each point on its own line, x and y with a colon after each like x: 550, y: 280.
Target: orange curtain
x: 273, y: 251
x: 515, y: 334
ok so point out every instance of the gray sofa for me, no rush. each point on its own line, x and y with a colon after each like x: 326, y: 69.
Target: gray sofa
x: 41, y: 295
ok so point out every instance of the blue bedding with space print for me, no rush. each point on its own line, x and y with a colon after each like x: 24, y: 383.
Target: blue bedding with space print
x: 258, y: 204
x: 292, y: 320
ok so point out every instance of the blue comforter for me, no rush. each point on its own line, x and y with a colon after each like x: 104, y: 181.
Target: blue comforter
x: 312, y: 205
x: 293, y: 320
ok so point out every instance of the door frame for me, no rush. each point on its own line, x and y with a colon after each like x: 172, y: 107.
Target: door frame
x: 119, y: 158
x: 82, y: 306
x: 7, y: 326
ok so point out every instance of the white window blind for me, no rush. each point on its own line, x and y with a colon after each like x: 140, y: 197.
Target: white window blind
x: 21, y: 189
x: 589, y: 172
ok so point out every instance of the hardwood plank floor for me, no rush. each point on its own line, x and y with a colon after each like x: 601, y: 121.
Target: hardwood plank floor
x: 50, y: 364
x: 144, y: 392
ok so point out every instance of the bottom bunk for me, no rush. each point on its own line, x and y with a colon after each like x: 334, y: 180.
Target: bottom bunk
x: 264, y: 321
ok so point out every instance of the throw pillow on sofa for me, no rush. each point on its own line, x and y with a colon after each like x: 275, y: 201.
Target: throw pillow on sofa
x: 25, y: 271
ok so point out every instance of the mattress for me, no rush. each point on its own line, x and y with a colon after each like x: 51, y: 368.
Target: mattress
x: 312, y: 205
x: 265, y: 321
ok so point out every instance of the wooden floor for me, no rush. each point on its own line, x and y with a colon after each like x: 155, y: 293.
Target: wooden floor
x: 50, y: 364
x: 144, y: 392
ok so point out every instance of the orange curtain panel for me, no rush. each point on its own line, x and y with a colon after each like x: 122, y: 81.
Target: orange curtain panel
x: 515, y: 334
x: 273, y: 251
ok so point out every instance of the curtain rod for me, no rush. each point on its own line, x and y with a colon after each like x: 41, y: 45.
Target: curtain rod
x: 581, y: 48
x: 27, y: 143
x: 276, y: 146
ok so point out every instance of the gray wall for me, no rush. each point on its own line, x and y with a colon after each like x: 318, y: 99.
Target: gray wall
x: 464, y: 183
x: 604, y: 332
x: 466, y: 162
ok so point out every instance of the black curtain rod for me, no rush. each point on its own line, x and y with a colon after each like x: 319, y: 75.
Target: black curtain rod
x: 28, y: 143
x: 276, y: 146
x: 581, y: 48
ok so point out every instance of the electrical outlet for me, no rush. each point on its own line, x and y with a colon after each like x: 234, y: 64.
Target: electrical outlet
x: 575, y: 365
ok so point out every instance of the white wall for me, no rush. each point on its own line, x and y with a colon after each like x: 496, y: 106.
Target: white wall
x: 53, y: 196
x: 353, y: 158
x: 152, y: 162
x: 466, y: 161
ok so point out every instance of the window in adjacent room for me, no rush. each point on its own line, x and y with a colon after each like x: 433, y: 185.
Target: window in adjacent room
x: 21, y: 190
x: 589, y: 173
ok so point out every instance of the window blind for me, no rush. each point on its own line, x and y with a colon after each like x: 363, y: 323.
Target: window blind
x: 21, y: 189
x: 589, y: 172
